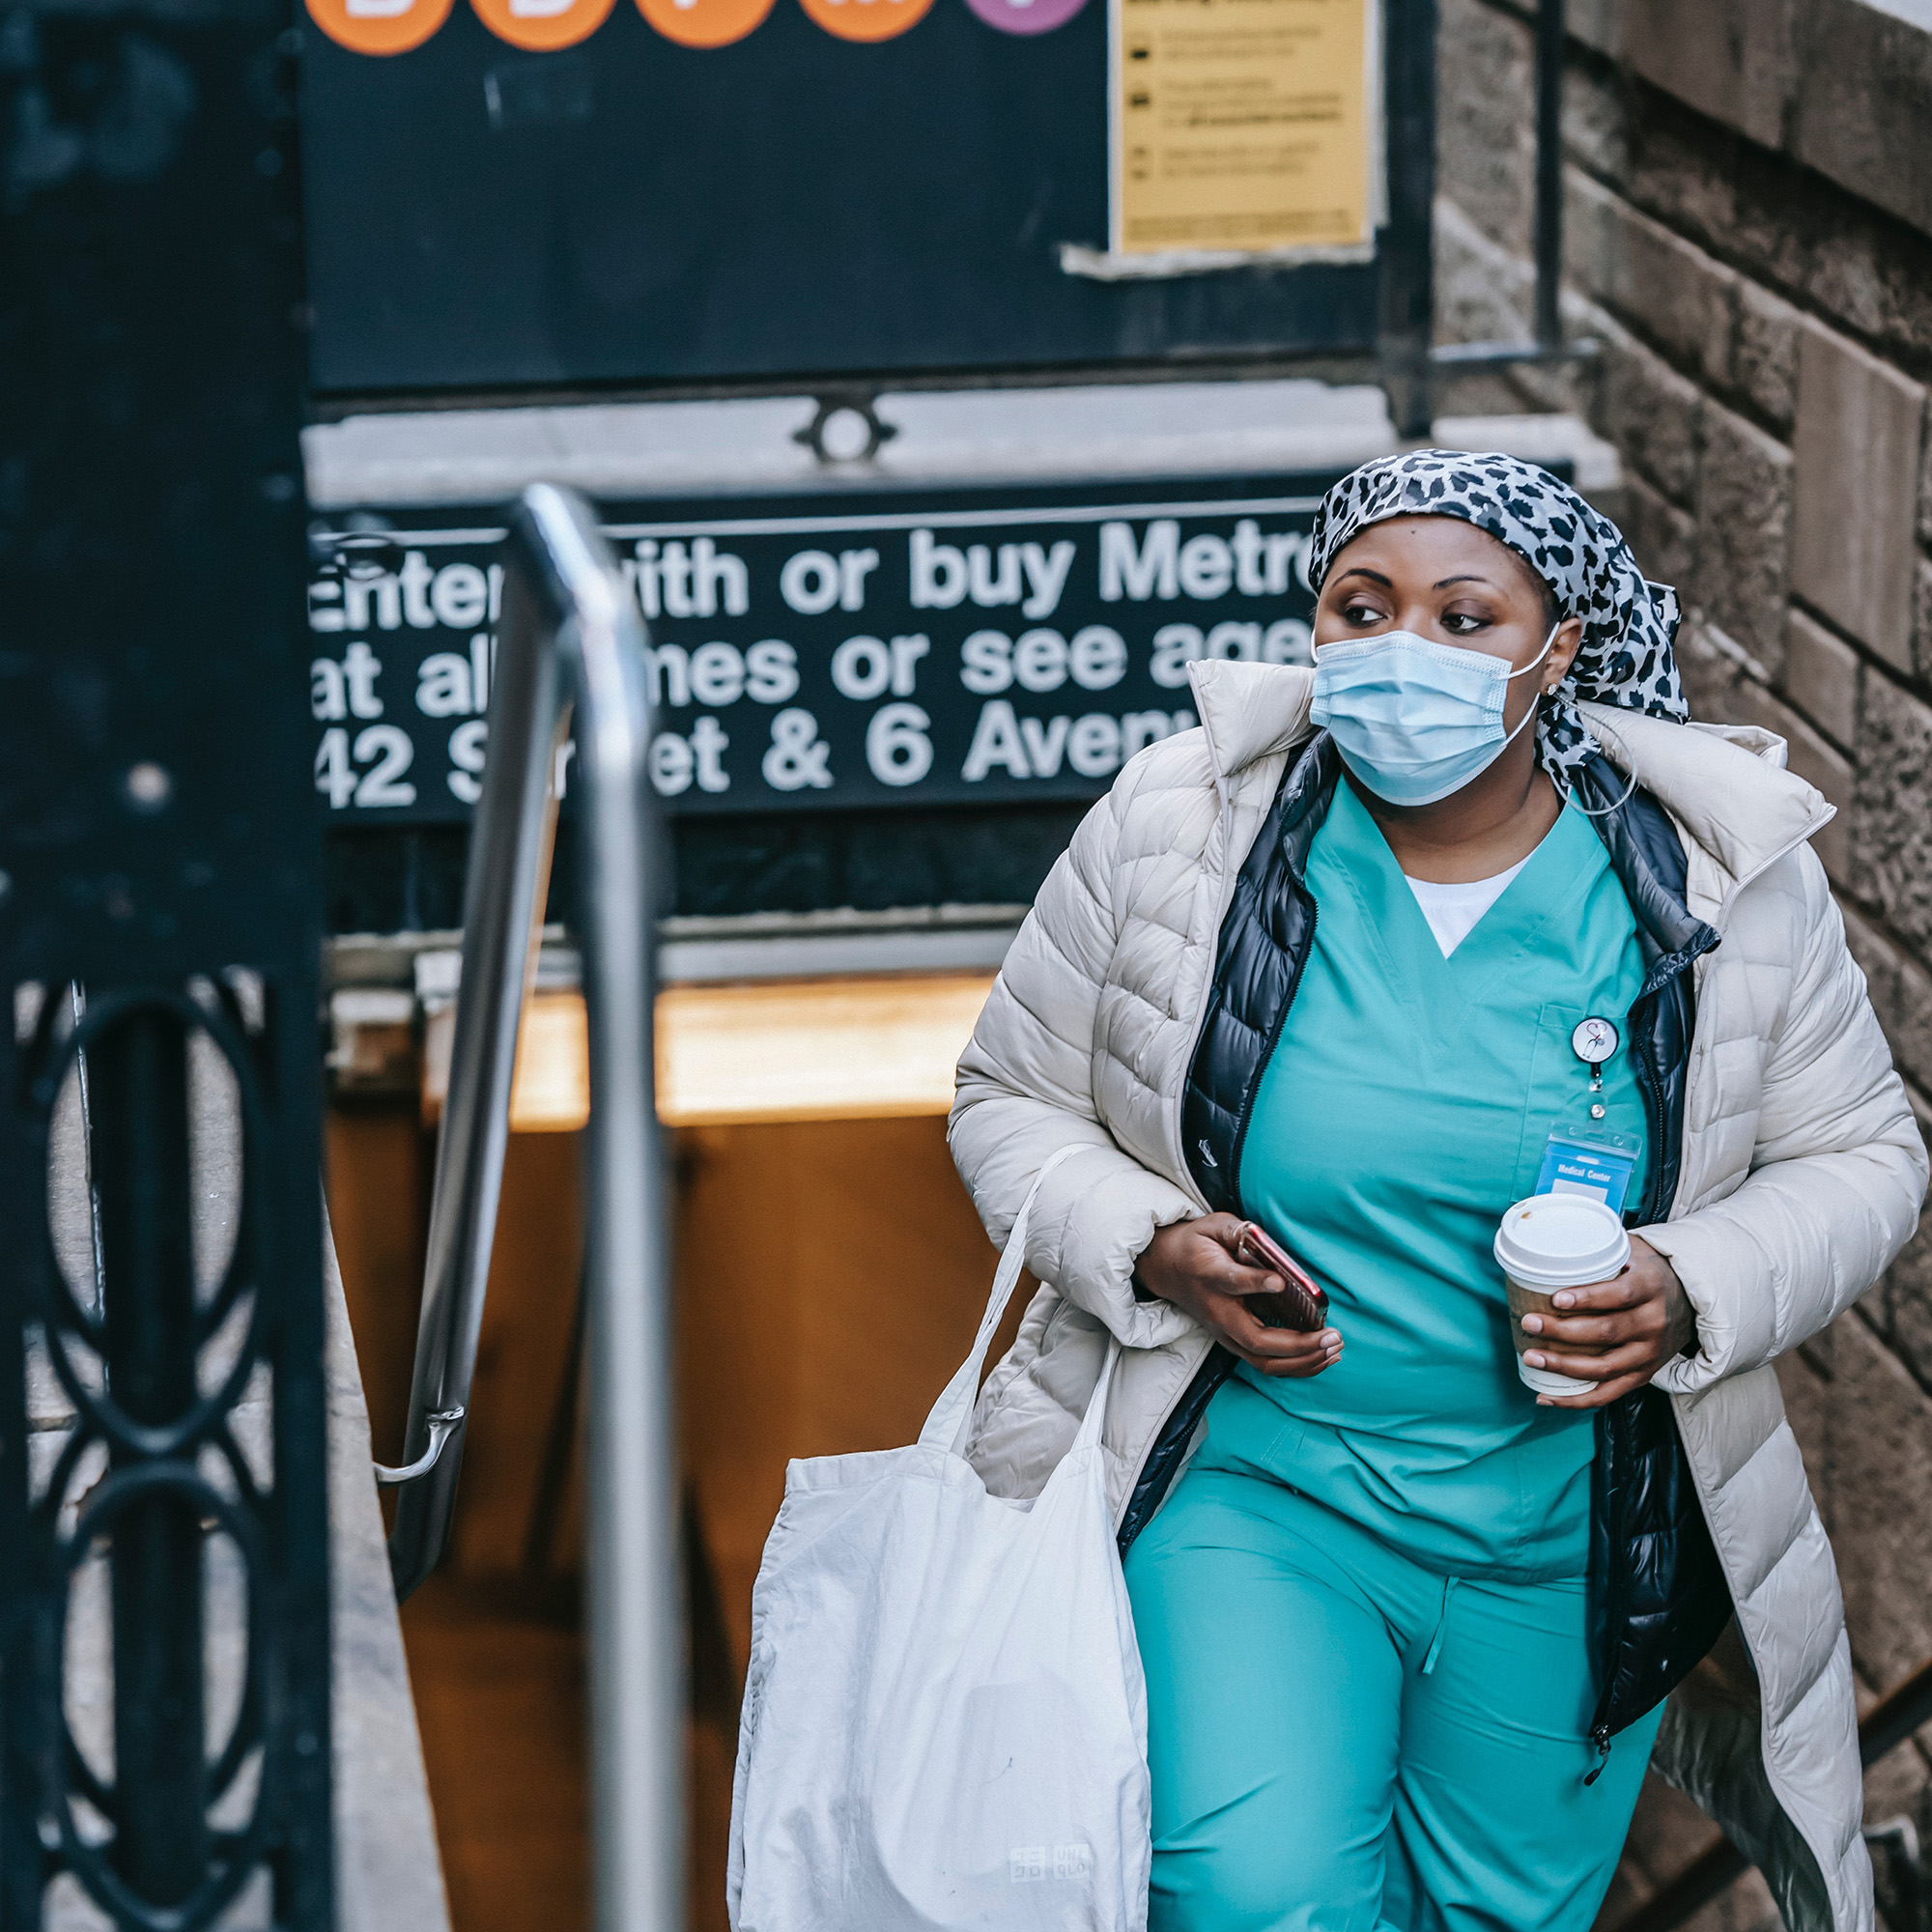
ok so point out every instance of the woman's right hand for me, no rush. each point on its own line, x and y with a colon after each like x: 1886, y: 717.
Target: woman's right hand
x: 1192, y: 1264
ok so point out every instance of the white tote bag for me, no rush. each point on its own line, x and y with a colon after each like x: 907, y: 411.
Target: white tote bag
x: 944, y: 1720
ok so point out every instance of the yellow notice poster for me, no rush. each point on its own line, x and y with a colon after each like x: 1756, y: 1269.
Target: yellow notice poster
x: 1240, y: 125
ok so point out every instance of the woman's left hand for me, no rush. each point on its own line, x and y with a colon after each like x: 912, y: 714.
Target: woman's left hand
x: 1621, y: 1333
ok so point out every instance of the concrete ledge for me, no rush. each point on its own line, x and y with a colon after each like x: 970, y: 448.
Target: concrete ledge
x: 388, y: 1874
x: 965, y: 436
x: 1593, y: 464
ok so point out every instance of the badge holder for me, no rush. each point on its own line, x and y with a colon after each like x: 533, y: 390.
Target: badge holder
x: 1585, y: 1156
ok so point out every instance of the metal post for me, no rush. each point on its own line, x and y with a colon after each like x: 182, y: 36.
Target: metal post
x: 140, y: 1119
x: 1550, y: 41
x: 637, y: 1625
x: 1408, y: 244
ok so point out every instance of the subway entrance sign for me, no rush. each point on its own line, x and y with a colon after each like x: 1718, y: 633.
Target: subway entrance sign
x: 952, y: 647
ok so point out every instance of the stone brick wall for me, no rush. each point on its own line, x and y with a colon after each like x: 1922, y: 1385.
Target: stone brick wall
x: 1749, y: 234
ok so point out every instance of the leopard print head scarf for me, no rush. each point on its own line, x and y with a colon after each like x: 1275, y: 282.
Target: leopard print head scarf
x: 1629, y: 625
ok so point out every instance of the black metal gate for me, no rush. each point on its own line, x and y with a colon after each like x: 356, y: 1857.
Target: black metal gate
x: 158, y: 921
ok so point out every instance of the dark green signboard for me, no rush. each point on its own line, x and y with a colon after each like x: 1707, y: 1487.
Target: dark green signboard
x: 963, y: 649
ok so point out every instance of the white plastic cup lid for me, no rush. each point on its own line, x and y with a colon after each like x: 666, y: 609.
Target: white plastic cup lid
x: 1561, y: 1241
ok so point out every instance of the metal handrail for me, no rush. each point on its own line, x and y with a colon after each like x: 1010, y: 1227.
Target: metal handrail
x: 443, y: 1424
x: 570, y: 631
x: 1887, y: 1724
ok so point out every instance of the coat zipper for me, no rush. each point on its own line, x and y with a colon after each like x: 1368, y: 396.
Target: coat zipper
x: 1645, y: 1071
x: 1306, y: 899
x: 1230, y: 873
x: 1303, y: 896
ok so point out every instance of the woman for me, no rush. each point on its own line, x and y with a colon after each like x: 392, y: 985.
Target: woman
x: 1408, y: 1626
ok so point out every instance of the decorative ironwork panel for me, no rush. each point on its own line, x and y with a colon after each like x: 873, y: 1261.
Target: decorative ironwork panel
x: 163, y: 1535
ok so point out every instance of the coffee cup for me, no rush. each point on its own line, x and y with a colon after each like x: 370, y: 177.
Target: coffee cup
x: 1548, y: 1242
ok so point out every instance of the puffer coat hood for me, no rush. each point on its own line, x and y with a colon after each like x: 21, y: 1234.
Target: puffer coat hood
x: 1801, y: 1176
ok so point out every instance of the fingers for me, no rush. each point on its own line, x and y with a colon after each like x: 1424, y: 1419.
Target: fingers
x: 1596, y: 1331
x: 1193, y: 1260
x: 1314, y: 1353
x: 1228, y: 1276
x: 1600, y: 1396
x: 1225, y: 1228
x: 1640, y: 1358
x: 1220, y: 1269
x: 1204, y: 1277
x: 1628, y: 1290
x: 1577, y: 1331
x: 1631, y: 1308
x: 1277, y: 1351
x: 1254, y: 1337
x: 1614, y: 1317
x: 1237, y: 1281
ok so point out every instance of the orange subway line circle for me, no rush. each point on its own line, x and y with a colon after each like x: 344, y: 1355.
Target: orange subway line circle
x: 379, y: 26
x: 705, y: 24
x: 866, y: 20
x: 543, y: 26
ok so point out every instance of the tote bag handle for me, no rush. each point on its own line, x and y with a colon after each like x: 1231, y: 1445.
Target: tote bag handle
x: 951, y: 1417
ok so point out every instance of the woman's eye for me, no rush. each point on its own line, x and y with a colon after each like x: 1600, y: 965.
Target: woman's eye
x: 1462, y: 623
x: 1361, y: 614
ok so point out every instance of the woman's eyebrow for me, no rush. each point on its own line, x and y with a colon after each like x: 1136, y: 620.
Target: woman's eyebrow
x: 1467, y: 577
x: 1374, y: 575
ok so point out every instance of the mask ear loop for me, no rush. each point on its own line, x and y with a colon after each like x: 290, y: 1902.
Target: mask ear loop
x: 1549, y: 643
x: 1569, y: 790
x: 1604, y: 811
x: 1536, y: 703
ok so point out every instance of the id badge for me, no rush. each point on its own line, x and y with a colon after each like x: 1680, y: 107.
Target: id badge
x: 1589, y: 1160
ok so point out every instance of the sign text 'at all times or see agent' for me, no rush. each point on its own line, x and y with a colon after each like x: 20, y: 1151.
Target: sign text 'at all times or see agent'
x: 925, y: 653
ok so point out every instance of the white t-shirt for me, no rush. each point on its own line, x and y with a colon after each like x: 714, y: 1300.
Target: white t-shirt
x: 1452, y: 911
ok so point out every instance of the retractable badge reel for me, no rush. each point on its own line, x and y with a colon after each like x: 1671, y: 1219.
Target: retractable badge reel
x: 1586, y: 1157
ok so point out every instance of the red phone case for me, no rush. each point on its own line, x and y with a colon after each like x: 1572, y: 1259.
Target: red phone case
x: 1302, y: 1305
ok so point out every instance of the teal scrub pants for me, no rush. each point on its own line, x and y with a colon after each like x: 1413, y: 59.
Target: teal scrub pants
x: 1341, y: 1738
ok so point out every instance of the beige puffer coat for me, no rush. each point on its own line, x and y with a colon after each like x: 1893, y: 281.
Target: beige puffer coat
x: 1803, y: 1174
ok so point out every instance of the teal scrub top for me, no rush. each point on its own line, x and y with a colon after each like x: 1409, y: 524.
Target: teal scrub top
x: 1406, y: 1105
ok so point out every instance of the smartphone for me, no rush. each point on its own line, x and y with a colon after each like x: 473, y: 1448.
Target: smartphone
x: 1303, y: 1305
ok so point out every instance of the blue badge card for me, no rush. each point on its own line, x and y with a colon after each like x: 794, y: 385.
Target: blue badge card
x: 1589, y: 1160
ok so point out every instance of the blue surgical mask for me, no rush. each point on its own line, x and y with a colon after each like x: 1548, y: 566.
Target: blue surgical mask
x: 1414, y: 720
